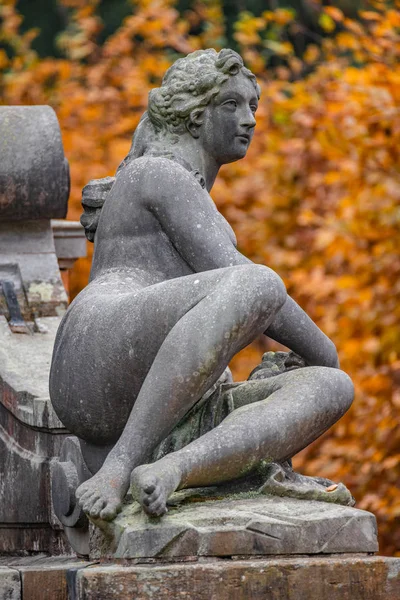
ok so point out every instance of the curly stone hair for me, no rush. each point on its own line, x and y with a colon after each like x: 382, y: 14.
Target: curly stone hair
x: 190, y: 84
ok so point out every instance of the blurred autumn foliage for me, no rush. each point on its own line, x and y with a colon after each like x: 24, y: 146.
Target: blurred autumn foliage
x: 317, y: 198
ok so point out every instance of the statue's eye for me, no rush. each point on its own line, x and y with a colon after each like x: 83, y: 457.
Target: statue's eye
x: 253, y: 108
x: 230, y: 103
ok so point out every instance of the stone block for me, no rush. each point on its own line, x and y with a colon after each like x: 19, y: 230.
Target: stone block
x: 10, y: 584
x: 28, y: 259
x: 47, y: 579
x: 41, y: 577
x: 27, y: 237
x: 262, y: 525
x: 69, y: 241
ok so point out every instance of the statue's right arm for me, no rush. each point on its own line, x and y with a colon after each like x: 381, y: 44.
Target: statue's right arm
x: 189, y: 218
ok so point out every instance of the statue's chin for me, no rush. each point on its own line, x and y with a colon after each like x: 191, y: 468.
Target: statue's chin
x: 234, y: 157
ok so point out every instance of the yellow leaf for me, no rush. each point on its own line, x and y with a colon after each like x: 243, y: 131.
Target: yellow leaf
x: 369, y: 15
x: 326, y: 22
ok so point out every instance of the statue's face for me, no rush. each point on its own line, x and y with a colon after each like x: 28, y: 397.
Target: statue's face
x: 228, y: 121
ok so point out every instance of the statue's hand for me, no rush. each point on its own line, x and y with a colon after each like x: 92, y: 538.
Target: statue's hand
x: 293, y: 361
x: 275, y: 363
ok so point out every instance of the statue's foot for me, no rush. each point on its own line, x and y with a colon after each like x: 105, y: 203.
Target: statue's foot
x: 151, y: 485
x: 101, y: 496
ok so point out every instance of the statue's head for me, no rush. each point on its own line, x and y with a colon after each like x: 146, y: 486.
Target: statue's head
x: 211, y: 95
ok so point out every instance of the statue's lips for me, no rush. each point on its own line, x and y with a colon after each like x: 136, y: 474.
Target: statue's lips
x: 244, y: 138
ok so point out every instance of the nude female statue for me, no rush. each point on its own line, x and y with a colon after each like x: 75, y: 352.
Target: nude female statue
x: 169, y: 303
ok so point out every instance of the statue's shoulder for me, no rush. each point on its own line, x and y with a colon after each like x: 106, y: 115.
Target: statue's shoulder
x: 159, y: 173
x: 161, y: 164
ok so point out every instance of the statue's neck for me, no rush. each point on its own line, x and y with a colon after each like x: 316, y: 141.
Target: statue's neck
x: 189, y: 152
x: 192, y: 152
x: 204, y: 164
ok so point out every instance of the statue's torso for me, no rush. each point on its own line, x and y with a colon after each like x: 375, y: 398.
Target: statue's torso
x: 130, y: 240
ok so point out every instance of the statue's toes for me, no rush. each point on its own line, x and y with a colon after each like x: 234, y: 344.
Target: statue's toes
x: 97, y: 508
x: 86, y: 490
x: 86, y: 496
x: 82, y: 489
x: 153, y: 497
x: 157, y: 508
x: 109, y: 512
x: 89, y: 501
x: 149, y: 486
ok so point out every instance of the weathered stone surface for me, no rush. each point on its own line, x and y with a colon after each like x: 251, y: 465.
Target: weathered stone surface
x: 324, y: 578
x: 354, y: 577
x: 27, y: 521
x: 34, y: 187
x: 263, y: 525
x: 30, y: 436
x: 34, y: 174
x: 42, y: 577
x: 69, y: 242
x: 10, y: 585
x: 28, y: 258
x: 47, y: 580
x: 24, y: 373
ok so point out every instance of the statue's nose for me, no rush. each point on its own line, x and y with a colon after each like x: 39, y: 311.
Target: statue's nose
x: 247, y: 119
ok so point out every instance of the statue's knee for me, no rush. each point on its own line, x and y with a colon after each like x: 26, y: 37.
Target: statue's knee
x: 346, y: 388
x: 266, y: 287
x: 340, y: 385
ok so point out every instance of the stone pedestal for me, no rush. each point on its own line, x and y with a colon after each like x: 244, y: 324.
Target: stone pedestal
x: 331, y: 577
x: 303, y: 578
x: 217, y: 545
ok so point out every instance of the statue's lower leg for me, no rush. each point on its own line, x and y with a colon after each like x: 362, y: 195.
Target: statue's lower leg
x: 275, y: 429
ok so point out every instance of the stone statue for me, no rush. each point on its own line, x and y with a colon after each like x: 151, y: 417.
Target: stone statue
x: 139, y: 371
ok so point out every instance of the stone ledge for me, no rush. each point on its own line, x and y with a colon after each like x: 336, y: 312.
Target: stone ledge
x: 304, y: 578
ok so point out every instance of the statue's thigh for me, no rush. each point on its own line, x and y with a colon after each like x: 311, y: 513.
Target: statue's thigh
x: 109, y: 344
x: 152, y: 313
x: 122, y: 341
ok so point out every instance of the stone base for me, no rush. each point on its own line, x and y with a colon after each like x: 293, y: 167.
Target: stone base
x: 333, y: 577
x: 237, y: 526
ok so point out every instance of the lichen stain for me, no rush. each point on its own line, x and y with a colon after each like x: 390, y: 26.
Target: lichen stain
x: 42, y: 290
